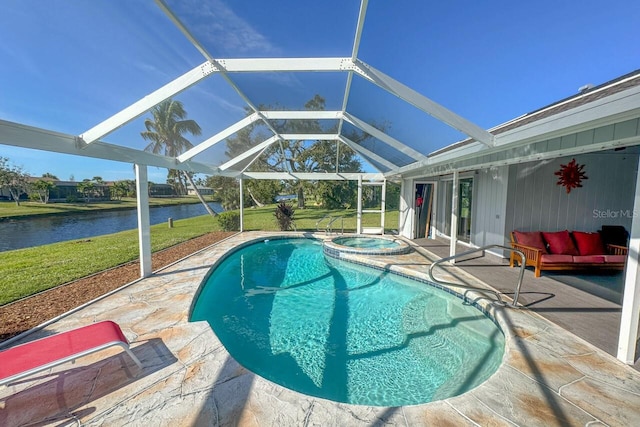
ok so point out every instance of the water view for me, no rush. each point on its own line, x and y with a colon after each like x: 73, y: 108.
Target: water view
x: 25, y: 233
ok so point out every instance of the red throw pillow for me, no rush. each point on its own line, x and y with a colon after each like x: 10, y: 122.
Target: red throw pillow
x: 560, y: 243
x: 532, y: 239
x: 589, y: 243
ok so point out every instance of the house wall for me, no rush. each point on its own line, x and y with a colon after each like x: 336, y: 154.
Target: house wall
x: 490, y: 205
x: 536, y: 202
x: 526, y: 197
x: 441, y: 209
x: 405, y: 208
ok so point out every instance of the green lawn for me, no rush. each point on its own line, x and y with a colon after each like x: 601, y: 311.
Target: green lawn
x: 306, y: 219
x: 27, y: 271
x: 11, y: 210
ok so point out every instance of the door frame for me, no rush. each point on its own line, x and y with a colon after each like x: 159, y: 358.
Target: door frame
x: 434, y: 203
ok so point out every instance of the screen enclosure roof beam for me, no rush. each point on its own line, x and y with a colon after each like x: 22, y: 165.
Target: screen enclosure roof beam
x: 19, y: 135
x: 220, y: 136
x: 253, y: 150
x: 311, y: 176
x: 377, y: 133
x: 422, y: 102
x: 367, y: 153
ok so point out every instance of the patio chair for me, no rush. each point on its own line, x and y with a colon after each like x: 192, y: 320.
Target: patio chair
x: 26, y: 359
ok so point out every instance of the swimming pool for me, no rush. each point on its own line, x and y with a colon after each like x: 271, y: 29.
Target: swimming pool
x: 345, y: 332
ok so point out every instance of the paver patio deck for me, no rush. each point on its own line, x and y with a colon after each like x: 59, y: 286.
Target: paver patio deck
x: 548, y: 375
x: 582, y: 311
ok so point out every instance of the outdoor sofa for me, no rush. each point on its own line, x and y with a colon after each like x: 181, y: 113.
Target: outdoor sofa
x: 565, y: 250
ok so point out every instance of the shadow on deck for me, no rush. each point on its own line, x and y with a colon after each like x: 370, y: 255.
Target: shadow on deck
x: 588, y: 305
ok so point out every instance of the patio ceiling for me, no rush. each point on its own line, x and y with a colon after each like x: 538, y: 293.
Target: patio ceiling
x: 229, y: 81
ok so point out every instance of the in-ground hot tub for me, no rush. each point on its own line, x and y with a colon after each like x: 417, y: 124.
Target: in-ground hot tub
x: 366, y: 245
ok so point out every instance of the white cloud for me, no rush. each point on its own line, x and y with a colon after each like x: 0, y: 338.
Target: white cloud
x: 221, y: 27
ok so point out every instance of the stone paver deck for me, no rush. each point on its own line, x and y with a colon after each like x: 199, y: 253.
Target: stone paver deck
x: 549, y: 377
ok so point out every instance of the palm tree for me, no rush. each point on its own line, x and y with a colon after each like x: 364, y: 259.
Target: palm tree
x: 165, y: 131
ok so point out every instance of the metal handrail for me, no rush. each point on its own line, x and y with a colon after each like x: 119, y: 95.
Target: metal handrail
x: 523, y: 263
x: 329, y: 226
x: 320, y: 220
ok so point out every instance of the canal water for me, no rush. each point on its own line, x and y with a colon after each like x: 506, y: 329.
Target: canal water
x: 25, y: 233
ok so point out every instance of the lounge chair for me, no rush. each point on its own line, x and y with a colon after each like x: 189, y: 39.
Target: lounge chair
x: 26, y: 359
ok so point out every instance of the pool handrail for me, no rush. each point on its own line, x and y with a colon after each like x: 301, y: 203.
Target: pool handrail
x: 320, y: 220
x: 329, y: 226
x: 475, y: 288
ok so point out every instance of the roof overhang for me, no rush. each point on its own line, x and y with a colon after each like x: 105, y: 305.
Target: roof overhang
x: 519, y: 143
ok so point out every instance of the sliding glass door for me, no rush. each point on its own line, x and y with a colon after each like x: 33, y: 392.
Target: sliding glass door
x: 465, y: 203
x: 464, y: 209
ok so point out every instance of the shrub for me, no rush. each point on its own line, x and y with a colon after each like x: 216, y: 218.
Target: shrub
x: 229, y: 221
x: 284, y: 215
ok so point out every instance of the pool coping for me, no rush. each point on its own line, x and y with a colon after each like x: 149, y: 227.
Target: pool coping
x: 548, y: 376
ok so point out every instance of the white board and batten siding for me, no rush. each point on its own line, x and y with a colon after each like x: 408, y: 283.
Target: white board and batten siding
x: 536, y: 202
x: 406, y: 211
x: 489, y: 207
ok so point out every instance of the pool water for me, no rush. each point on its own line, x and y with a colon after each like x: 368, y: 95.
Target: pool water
x: 364, y: 245
x: 366, y: 242
x: 344, y: 332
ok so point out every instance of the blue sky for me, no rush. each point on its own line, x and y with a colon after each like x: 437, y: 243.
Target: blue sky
x: 66, y: 65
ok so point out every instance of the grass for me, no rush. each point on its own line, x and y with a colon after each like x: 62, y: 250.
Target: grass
x: 9, y: 209
x: 28, y: 271
x: 306, y: 219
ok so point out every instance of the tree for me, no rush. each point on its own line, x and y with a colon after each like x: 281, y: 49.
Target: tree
x: 50, y: 176
x: 227, y: 190
x: 119, y: 189
x: 263, y: 191
x: 166, y: 130
x: 260, y: 192
x: 87, y: 188
x: 43, y: 188
x: 337, y: 194
x: 14, y: 179
x: 297, y: 155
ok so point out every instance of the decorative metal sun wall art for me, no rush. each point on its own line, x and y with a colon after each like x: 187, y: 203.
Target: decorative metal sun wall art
x: 571, y: 175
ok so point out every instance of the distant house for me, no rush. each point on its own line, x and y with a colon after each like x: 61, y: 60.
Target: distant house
x: 205, y: 191
x: 68, y: 191
x: 161, y: 190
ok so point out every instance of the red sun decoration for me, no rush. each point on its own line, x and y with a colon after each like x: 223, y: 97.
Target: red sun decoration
x: 571, y: 175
